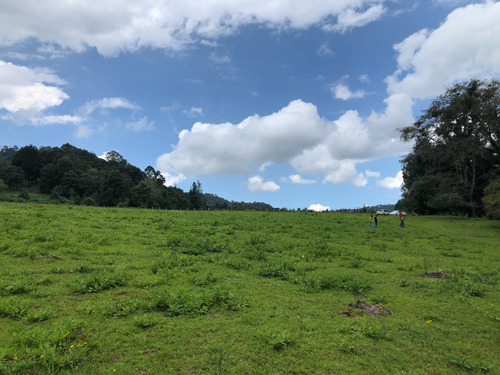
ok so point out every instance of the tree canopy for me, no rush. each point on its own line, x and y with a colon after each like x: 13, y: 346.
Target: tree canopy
x: 456, y: 150
x: 75, y: 175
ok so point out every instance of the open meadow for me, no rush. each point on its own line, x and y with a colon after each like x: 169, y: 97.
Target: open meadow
x: 88, y: 290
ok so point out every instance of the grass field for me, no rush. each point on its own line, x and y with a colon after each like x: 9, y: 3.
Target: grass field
x: 87, y: 290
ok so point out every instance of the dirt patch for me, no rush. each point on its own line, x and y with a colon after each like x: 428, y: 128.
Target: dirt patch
x: 435, y: 275
x: 363, y: 308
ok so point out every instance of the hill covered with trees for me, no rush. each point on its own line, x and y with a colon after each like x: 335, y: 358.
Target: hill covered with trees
x: 70, y: 174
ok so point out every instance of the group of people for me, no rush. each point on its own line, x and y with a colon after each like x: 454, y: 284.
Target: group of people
x: 402, y: 217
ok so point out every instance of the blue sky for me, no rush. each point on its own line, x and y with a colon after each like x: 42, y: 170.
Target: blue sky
x: 288, y: 102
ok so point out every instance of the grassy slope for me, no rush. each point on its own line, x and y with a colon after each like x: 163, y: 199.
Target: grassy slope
x: 150, y: 292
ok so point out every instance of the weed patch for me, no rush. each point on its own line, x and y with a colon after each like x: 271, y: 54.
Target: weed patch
x: 98, y: 283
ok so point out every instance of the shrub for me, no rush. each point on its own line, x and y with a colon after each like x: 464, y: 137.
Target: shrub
x: 19, y: 285
x: 98, y: 283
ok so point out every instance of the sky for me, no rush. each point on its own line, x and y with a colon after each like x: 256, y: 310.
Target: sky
x: 289, y: 102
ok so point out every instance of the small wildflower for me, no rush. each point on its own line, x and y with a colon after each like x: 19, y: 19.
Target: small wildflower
x: 42, y: 356
x: 72, y: 346
x: 429, y: 321
x: 15, y: 358
x: 302, y: 257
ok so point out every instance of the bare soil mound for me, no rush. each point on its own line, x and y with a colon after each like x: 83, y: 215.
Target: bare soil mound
x: 363, y: 308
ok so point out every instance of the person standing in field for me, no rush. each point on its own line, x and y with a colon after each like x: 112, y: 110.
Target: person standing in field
x: 376, y: 220
x: 371, y: 221
x: 402, y: 216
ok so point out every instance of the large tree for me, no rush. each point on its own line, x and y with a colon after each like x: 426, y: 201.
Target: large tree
x: 28, y: 158
x: 456, y: 150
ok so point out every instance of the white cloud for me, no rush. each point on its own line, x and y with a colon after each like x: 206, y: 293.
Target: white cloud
x: 318, y: 207
x: 171, y: 25
x: 392, y: 182
x: 362, y: 178
x: 263, y: 166
x: 342, y: 91
x: 466, y: 45
x: 231, y: 149
x: 24, y: 89
x: 325, y: 51
x: 219, y: 59
x: 350, y: 18
x: 364, y: 78
x: 140, y: 125
x: 83, y: 131
x: 369, y: 173
x: 297, y: 179
x: 50, y: 120
x: 256, y: 184
x: 108, y: 103
x: 193, y: 111
x: 172, y: 180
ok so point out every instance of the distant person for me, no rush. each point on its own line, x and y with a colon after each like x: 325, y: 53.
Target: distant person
x: 402, y: 216
x: 376, y: 220
x: 371, y: 221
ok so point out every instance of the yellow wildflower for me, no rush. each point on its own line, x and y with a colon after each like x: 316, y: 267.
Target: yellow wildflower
x: 72, y: 346
x: 42, y: 356
x: 15, y: 358
x: 429, y: 321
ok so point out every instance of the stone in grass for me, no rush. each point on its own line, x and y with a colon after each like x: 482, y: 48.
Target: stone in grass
x: 362, y: 308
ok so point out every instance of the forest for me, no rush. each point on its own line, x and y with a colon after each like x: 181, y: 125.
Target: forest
x: 74, y: 175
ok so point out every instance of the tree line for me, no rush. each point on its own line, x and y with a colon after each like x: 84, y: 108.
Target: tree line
x: 70, y: 174
x: 454, y: 165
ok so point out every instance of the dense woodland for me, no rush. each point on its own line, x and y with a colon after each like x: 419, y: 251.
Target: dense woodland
x: 454, y: 166
x: 71, y: 174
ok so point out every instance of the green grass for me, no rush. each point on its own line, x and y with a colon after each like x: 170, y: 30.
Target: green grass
x: 92, y: 290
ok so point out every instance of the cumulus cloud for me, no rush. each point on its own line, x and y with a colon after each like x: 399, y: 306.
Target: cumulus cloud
x: 297, y: 179
x: 392, y: 182
x: 172, y: 180
x: 231, y: 148
x: 342, y: 91
x: 256, y: 184
x: 318, y: 207
x: 362, y: 178
x: 171, y: 25
x: 294, y: 135
x: 466, y: 45
x: 29, y: 90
